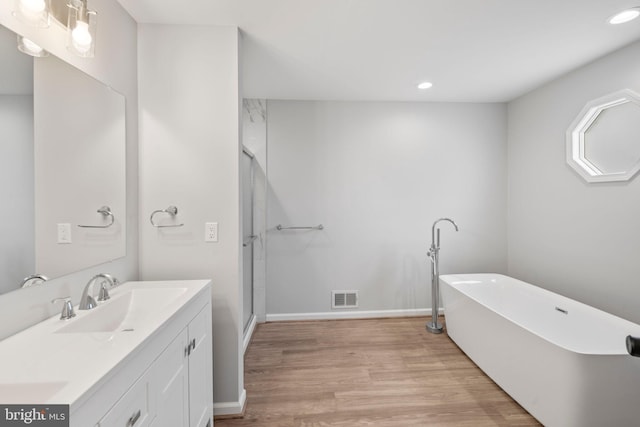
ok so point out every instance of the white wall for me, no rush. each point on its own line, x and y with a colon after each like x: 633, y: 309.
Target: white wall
x: 377, y: 175
x: 115, y: 64
x: 17, y: 251
x: 190, y: 157
x: 580, y: 240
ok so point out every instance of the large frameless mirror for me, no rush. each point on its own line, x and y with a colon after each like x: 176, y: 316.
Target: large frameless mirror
x: 62, y: 162
x: 603, y: 142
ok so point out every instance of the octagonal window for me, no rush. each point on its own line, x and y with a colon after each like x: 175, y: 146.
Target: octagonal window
x: 603, y: 143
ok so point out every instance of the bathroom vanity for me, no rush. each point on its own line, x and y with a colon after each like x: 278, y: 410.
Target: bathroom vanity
x: 142, y: 358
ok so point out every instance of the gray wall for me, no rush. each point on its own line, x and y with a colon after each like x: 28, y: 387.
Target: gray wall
x: 115, y: 64
x: 377, y: 175
x: 577, y: 239
x: 190, y: 157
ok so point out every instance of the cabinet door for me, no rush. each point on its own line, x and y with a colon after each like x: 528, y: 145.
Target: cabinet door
x: 170, y: 380
x: 201, y: 370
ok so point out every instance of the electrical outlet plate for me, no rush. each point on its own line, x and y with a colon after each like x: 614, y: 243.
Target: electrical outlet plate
x: 64, y: 233
x: 211, y: 232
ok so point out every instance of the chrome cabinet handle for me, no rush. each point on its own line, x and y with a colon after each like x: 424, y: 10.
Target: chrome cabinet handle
x: 106, y: 211
x: 133, y: 419
x: 190, y: 347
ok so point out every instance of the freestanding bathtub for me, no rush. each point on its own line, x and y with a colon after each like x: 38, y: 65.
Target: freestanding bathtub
x: 563, y: 361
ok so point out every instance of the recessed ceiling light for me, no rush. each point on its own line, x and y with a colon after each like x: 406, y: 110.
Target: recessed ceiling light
x: 625, y: 16
x: 425, y: 85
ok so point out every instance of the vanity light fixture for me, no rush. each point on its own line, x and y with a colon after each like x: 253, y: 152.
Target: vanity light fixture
x: 625, y: 16
x: 30, y: 48
x: 33, y: 12
x: 425, y: 85
x: 81, y: 29
x: 80, y: 22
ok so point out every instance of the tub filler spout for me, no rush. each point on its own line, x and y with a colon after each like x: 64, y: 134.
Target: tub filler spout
x: 434, y: 256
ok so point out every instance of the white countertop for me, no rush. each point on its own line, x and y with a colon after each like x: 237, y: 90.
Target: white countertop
x: 43, y: 365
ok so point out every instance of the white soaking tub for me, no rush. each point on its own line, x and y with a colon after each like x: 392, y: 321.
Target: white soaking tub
x: 563, y: 361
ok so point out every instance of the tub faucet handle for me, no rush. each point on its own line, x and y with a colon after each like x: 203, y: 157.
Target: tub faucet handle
x: 633, y: 345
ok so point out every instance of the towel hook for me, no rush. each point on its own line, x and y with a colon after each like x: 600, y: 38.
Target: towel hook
x: 106, y: 211
x: 171, y: 210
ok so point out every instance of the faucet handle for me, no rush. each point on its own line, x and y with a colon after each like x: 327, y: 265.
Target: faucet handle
x: 103, y: 295
x: 67, y: 308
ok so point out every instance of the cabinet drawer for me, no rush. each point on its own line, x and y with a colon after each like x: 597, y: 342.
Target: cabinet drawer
x: 132, y: 410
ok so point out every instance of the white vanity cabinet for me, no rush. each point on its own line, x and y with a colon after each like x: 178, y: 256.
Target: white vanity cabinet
x: 201, y: 371
x: 181, y: 376
x: 167, y: 381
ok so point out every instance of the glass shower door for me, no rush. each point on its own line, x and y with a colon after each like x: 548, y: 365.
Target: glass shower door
x: 248, y: 238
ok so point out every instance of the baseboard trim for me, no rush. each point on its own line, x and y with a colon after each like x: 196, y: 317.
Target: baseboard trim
x: 230, y: 409
x: 335, y: 315
x: 248, y: 334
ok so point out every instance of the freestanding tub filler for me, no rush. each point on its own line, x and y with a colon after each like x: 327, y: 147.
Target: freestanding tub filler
x: 563, y: 361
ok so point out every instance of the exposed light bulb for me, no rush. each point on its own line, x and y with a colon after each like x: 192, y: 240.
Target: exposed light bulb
x: 31, y: 46
x: 624, y: 16
x: 32, y: 12
x: 27, y: 46
x: 425, y: 85
x: 81, y: 37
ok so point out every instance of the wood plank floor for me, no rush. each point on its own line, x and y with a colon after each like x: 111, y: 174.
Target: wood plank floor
x: 379, y: 372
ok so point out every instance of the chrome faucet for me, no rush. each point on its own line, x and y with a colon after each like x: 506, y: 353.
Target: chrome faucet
x: 33, y: 279
x: 434, y: 255
x: 87, y: 302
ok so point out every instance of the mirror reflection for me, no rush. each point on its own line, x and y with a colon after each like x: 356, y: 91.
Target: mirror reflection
x: 62, y: 162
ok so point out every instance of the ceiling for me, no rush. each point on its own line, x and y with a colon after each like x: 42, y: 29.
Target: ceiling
x: 472, y: 50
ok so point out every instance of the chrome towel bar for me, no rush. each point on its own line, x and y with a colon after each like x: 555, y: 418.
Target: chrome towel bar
x: 316, y: 227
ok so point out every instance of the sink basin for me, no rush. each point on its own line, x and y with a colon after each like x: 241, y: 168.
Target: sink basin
x: 123, y: 312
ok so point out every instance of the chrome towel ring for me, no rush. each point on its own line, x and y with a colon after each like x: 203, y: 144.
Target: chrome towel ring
x: 171, y: 210
x: 106, y: 211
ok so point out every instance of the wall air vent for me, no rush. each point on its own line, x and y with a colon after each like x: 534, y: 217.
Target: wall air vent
x: 344, y: 299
